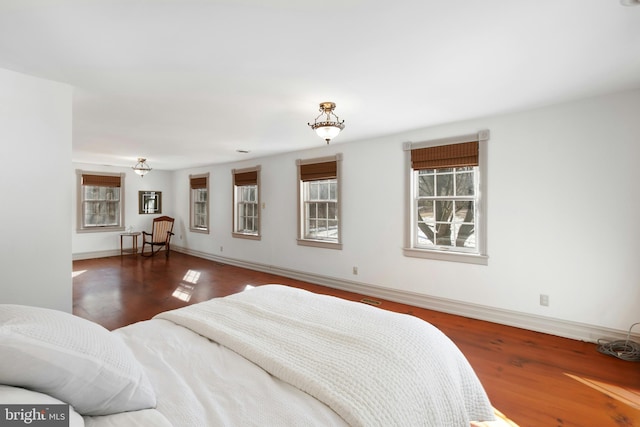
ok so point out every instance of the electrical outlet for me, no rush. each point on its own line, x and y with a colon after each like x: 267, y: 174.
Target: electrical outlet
x: 220, y: 248
x: 544, y: 300
x: 355, y: 271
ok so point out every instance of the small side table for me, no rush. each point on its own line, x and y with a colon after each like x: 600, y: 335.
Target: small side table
x: 134, y: 243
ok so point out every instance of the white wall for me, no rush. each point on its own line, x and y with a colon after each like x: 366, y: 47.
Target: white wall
x: 563, y: 205
x: 35, y: 134
x: 96, y: 244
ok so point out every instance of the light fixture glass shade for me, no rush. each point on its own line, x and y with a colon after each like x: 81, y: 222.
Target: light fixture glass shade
x: 328, y: 128
x: 328, y: 132
x: 141, y: 168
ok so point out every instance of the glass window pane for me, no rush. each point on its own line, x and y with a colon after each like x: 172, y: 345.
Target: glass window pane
x: 332, y: 228
x: 444, y: 185
x: 464, y: 211
x: 311, y: 210
x: 444, y: 210
x: 425, y: 234
x: 324, y: 191
x: 425, y: 185
x: 464, y: 184
x: 199, y: 195
x: 465, y: 235
x: 333, y: 211
x: 425, y: 210
x: 322, y: 210
x: 443, y: 234
x: 110, y: 193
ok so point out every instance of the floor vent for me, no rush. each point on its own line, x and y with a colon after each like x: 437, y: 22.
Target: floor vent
x: 370, y: 301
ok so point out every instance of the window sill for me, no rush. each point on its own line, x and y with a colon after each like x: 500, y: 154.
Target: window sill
x: 247, y: 236
x: 99, y: 229
x: 199, y: 230
x: 320, y: 244
x: 447, y: 256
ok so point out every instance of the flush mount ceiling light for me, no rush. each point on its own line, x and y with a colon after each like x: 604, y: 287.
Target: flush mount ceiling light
x: 327, y: 128
x: 141, y: 168
x: 630, y: 2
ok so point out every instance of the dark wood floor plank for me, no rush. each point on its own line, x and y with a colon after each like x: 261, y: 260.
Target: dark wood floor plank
x: 529, y: 376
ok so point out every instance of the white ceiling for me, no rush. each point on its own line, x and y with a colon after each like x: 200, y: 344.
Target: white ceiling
x: 186, y: 83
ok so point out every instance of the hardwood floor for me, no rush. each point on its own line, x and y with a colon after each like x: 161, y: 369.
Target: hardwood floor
x: 535, y: 379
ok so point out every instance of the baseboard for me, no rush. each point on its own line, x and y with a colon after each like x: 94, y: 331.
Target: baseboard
x: 547, y: 325
x: 105, y: 254
x: 95, y: 254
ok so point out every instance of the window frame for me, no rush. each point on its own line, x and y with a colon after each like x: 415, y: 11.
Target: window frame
x: 192, y: 202
x: 235, y: 204
x: 301, y: 211
x: 81, y: 227
x: 480, y: 256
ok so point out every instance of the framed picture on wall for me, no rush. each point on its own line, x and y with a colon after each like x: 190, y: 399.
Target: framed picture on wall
x: 149, y: 202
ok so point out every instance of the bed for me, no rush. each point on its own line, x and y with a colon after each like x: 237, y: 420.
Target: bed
x: 268, y: 356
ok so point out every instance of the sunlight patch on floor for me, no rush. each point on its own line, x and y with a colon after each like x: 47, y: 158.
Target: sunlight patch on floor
x: 627, y: 396
x: 191, y: 276
x: 183, y: 292
x: 501, y: 421
x: 77, y: 273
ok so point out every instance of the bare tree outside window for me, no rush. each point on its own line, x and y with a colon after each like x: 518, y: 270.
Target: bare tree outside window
x: 446, y: 207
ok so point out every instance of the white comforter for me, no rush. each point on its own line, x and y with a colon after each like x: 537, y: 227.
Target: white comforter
x: 372, y: 367
x: 200, y: 383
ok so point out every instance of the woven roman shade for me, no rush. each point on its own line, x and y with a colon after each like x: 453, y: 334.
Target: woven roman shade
x: 445, y: 156
x: 245, y: 178
x: 315, y: 171
x: 101, y: 180
x: 200, y: 182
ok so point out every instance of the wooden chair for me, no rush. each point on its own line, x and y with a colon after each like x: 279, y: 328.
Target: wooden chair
x: 159, y: 237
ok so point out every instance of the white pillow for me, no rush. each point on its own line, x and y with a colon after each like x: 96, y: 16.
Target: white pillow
x: 71, y: 359
x: 20, y: 396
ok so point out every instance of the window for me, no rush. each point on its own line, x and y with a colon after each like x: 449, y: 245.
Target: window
x: 445, y: 202
x: 447, y: 218
x: 246, y: 203
x: 319, y: 202
x: 100, y: 206
x: 199, y: 203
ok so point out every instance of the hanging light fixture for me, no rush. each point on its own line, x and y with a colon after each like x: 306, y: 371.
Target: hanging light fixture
x: 327, y: 128
x: 141, y: 168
